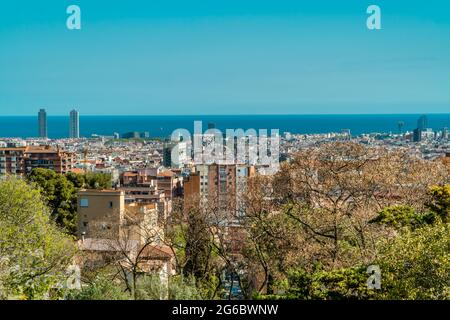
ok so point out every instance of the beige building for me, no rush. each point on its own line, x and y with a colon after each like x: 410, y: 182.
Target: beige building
x: 114, y: 232
x: 100, y: 213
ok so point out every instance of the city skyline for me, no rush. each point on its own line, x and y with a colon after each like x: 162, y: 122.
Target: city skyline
x: 240, y: 58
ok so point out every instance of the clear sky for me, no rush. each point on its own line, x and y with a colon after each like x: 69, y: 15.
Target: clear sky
x: 224, y: 57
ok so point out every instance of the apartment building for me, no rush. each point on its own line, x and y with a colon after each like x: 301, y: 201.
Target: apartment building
x: 224, y: 186
x: 165, y: 181
x: 48, y: 158
x: 12, y: 161
x: 100, y: 213
x: 22, y: 160
x: 110, y: 229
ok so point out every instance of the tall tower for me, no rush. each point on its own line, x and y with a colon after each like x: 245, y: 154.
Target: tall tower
x: 74, y: 124
x: 400, y: 124
x: 42, y: 124
x: 422, y: 123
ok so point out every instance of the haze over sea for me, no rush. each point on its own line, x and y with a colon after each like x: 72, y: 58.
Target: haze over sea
x: 162, y: 126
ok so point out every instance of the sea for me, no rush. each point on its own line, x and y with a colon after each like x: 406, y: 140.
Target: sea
x: 162, y: 126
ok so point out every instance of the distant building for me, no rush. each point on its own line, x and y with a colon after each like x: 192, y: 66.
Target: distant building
x: 136, y: 135
x: 445, y: 135
x: 175, y: 155
x: 114, y: 232
x: 422, y: 123
x: 100, y: 213
x: 42, y: 124
x: 223, y: 183
x: 346, y: 133
x: 167, y: 155
x: 22, y: 160
x: 417, y: 135
x: 74, y: 125
x: 131, y: 135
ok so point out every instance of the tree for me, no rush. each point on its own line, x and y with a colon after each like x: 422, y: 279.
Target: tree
x: 100, y: 288
x: 97, y: 180
x: 191, y: 235
x: 60, y: 195
x: 416, y: 265
x: 440, y: 202
x: 319, y: 207
x: 60, y: 192
x: 90, y: 180
x: 34, y: 253
x: 339, y: 284
x: 179, y: 288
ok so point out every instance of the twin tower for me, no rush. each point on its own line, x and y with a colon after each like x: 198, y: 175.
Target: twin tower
x: 74, y: 124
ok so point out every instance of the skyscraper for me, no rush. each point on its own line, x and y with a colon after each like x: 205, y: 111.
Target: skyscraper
x: 42, y: 123
x: 422, y: 123
x: 74, y: 126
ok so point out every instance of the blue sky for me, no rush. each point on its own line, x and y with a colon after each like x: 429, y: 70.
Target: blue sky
x: 224, y: 57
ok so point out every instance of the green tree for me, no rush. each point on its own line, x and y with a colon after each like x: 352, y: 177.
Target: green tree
x: 178, y: 288
x: 34, y: 253
x: 76, y: 179
x: 440, y: 202
x: 96, y: 180
x: 60, y: 195
x: 339, y: 284
x: 416, y: 264
x: 100, y: 288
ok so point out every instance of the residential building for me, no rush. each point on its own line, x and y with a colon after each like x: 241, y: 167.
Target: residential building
x: 74, y: 125
x: 42, y: 124
x: 22, y: 160
x: 48, y: 158
x: 110, y: 230
x: 12, y: 161
x: 100, y: 213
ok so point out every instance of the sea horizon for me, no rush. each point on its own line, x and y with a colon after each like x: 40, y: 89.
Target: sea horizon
x: 161, y: 126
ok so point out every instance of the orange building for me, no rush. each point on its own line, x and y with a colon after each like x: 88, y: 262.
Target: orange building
x: 22, y: 160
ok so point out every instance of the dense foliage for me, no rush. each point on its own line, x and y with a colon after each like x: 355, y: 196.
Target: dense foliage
x: 34, y: 253
x: 60, y: 192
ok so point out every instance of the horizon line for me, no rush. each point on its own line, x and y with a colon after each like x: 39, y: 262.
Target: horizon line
x: 224, y: 115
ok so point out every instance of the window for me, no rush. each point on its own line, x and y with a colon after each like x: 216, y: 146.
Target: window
x: 84, y: 203
x: 85, y: 224
x: 110, y: 204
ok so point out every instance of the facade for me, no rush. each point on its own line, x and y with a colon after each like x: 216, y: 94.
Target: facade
x: 42, y: 124
x: 174, y: 155
x: 167, y: 156
x: 48, y: 158
x: 222, y: 183
x: 110, y: 229
x: 74, y: 125
x: 191, y: 189
x: 136, y: 135
x: 165, y: 181
x: 12, y: 161
x: 417, y: 135
x: 100, y: 213
x: 22, y: 160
